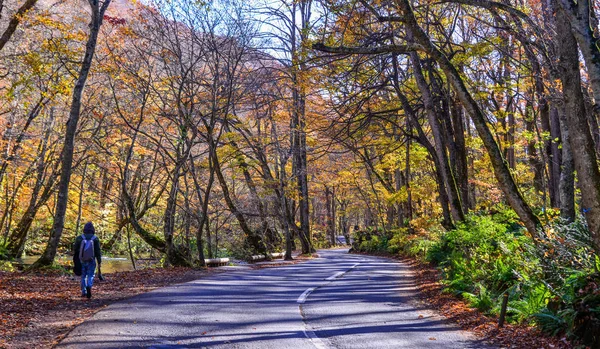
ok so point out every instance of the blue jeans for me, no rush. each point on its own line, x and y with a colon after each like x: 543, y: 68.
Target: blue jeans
x: 88, y: 270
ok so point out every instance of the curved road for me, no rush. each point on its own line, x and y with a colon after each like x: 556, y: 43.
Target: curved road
x: 336, y: 301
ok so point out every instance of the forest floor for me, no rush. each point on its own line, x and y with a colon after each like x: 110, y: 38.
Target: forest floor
x: 39, y: 309
x: 427, y: 278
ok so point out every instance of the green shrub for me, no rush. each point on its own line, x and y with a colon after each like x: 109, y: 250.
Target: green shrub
x: 411, y: 245
x: 552, y: 281
x: 374, y: 244
x: 482, y: 300
x: 553, y: 323
x: 6, y: 266
x: 525, y: 301
x: 4, y: 255
x: 483, y: 252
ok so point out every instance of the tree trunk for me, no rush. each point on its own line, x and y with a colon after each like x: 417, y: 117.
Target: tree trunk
x: 462, y: 172
x: 556, y: 158
x: 105, y: 187
x: 510, y: 151
x: 203, y: 214
x: 424, y: 141
x: 330, y: 219
x: 579, y: 135
x: 300, y: 11
x: 265, y: 230
x: 333, y: 215
x: 445, y: 171
x: 300, y: 171
x: 49, y: 253
x: 567, y: 175
x: 169, y: 219
x: 253, y: 239
x: 80, y: 202
x: 549, y: 121
x: 579, y: 16
x: 534, y: 160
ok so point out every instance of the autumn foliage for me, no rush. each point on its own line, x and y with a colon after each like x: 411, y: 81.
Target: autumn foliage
x: 187, y: 130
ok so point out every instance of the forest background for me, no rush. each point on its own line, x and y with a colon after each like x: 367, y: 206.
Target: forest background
x: 463, y: 132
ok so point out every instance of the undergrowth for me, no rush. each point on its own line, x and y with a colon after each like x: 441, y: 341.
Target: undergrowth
x: 552, y: 280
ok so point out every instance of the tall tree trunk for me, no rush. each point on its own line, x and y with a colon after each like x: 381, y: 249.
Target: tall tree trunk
x: 97, y: 15
x: 556, y: 158
x: 549, y: 154
x: 399, y: 183
x: 266, y: 233
x: 580, y: 137
x: 255, y: 241
x: 445, y: 171
x: 462, y: 172
x: 169, y: 218
x: 300, y: 11
x: 203, y: 214
x: 510, y: 150
x: 424, y: 141
x: 105, y: 187
x: 80, y: 201
x: 534, y: 160
x: 408, y: 175
x: 580, y: 16
x: 300, y: 171
x: 567, y: 175
x: 286, y: 217
x: 329, y: 203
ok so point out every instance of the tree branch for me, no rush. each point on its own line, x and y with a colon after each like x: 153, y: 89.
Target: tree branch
x: 398, y: 49
x: 14, y: 22
x: 493, y: 5
x: 380, y: 18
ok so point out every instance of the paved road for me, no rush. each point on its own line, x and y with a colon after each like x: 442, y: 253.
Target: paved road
x: 336, y: 301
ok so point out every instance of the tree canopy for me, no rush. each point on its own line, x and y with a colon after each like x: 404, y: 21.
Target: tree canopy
x: 238, y: 128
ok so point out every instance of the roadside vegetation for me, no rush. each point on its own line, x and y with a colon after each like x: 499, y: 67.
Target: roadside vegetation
x: 552, y: 283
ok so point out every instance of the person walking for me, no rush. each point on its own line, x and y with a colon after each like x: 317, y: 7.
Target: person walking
x: 87, y: 249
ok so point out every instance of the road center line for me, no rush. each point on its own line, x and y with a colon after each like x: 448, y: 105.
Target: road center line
x: 304, y: 295
x: 316, y: 341
x: 311, y: 335
x: 335, y: 276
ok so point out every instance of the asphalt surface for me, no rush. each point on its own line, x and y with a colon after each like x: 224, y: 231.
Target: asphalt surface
x: 336, y: 301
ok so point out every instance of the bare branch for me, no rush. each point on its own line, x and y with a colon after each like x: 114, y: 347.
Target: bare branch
x: 14, y: 22
x: 343, y: 50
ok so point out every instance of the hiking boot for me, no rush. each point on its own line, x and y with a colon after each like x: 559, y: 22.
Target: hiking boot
x: 88, y: 292
x: 84, y: 294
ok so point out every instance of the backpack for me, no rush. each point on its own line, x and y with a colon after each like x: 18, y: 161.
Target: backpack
x: 86, y: 252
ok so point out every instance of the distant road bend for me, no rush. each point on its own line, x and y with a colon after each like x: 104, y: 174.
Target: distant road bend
x: 336, y: 301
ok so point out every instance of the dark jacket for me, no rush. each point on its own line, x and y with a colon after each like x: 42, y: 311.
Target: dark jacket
x: 89, y: 233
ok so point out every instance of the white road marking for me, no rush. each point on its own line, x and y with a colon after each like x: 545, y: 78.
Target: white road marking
x: 312, y: 336
x: 335, y: 276
x: 316, y: 341
x: 304, y: 295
